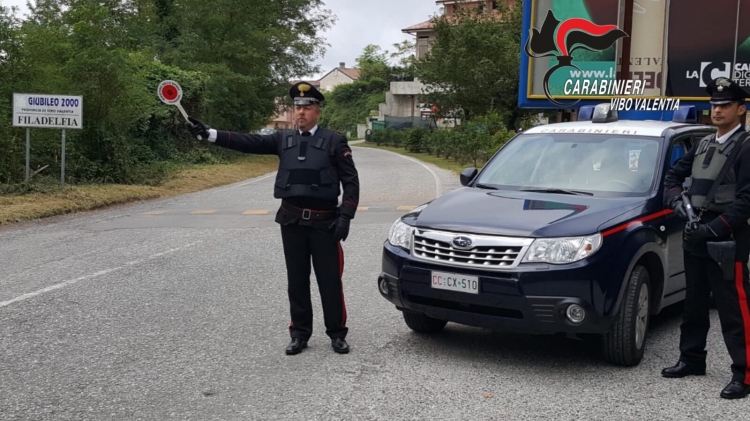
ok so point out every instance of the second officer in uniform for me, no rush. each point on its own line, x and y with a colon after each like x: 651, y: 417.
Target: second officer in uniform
x: 315, y: 164
x: 720, y: 195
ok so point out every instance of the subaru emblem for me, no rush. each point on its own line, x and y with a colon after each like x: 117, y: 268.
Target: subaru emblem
x: 462, y: 242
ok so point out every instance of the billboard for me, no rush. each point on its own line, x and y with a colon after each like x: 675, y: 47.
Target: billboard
x: 704, y: 45
x: 591, y: 65
x: 672, y: 50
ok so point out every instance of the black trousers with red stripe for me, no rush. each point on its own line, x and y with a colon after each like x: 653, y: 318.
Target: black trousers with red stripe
x: 303, y: 243
x: 704, y: 276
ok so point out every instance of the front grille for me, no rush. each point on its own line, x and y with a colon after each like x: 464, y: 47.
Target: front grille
x: 485, y: 252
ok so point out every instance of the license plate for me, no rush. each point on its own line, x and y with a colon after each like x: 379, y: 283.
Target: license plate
x: 455, y: 282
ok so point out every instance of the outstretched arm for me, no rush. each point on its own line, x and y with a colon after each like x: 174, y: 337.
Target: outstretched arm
x: 247, y: 143
x: 242, y: 142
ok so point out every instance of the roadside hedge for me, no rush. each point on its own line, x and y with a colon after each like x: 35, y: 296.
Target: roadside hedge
x: 471, y: 143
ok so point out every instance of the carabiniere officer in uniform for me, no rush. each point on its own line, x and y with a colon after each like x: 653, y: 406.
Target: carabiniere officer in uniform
x: 716, y: 248
x: 313, y: 165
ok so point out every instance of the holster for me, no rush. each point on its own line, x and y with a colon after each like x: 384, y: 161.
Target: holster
x: 724, y: 253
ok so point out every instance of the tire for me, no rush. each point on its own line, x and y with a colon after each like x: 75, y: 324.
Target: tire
x: 625, y: 342
x: 421, y: 323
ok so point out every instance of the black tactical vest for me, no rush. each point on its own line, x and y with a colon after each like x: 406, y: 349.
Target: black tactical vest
x: 305, y: 168
x: 710, y: 157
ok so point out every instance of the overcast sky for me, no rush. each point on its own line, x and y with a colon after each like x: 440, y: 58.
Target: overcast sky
x: 360, y: 22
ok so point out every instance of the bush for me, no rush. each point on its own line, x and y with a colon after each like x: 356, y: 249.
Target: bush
x: 395, y: 137
x: 438, y: 141
x: 415, y: 139
x: 474, y: 142
x: 377, y: 137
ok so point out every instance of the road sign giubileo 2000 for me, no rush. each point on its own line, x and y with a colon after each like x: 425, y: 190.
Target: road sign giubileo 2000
x: 48, y: 111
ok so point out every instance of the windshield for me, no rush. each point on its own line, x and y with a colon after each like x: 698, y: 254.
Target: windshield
x: 602, y: 165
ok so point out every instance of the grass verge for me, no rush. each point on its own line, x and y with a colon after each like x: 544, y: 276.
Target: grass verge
x: 444, y: 163
x: 28, y: 206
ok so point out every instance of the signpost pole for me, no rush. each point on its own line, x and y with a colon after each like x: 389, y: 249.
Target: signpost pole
x: 62, y: 161
x: 28, y: 151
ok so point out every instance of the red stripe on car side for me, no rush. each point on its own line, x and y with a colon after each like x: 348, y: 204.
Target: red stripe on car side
x: 636, y: 221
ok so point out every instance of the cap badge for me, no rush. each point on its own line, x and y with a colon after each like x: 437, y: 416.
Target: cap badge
x: 303, y: 88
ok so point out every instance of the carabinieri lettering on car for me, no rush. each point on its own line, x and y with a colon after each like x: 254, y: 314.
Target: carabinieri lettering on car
x: 562, y: 231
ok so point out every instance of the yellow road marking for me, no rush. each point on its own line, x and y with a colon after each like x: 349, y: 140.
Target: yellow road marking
x: 203, y: 212
x: 362, y: 208
x: 255, y: 212
x: 154, y: 213
x: 405, y: 208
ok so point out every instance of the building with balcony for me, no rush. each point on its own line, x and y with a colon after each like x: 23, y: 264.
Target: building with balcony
x: 404, y: 104
x: 424, y: 31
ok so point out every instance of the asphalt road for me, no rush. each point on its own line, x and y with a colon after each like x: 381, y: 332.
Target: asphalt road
x: 177, y: 309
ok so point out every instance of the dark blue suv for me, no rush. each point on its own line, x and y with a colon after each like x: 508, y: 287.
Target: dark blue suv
x: 562, y: 231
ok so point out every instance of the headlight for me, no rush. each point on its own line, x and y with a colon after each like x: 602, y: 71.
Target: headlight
x: 400, y: 234
x: 563, y: 250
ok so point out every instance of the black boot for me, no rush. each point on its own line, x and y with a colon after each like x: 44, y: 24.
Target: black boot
x: 735, y: 390
x: 339, y: 345
x: 682, y: 369
x: 296, y: 346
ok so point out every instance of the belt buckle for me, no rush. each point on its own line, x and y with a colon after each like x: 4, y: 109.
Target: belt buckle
x: 306, y: 214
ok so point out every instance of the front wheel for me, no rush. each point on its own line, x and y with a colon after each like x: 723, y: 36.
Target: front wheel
x: 625, y: 342
x: 421, y: 323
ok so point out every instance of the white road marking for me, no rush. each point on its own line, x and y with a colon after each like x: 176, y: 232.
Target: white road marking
x: 93, y: 275
x: 438, y: 186
x: 253, y: 181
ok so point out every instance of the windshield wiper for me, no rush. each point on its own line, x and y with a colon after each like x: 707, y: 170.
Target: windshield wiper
x: 485, y: 186
x: 563, y: 191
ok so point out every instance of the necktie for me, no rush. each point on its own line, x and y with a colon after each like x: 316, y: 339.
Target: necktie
x: 303, y: 147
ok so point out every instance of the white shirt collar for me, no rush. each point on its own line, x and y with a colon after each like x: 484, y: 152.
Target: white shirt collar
x: 727, y: 135
x: 312, y: 131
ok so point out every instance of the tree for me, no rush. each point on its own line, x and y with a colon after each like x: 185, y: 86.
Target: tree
x: 349, y: 104
x: 376, y: 63
x: 473, y: 64
x: 232, y: 58
x: 250, y: 49
x: 373, y: 63
x: 402, y: 60
x: 404, y: 54
x: 11, y: 149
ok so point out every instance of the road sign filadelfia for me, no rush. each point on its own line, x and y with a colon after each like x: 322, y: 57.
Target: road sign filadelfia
x: 44, y: 111
x: 47, y: 111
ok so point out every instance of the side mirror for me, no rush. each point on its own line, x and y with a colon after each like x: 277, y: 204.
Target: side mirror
x: 467, y: 175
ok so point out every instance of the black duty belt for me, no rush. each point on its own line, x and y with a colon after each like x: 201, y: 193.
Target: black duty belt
x: 309, y: 214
